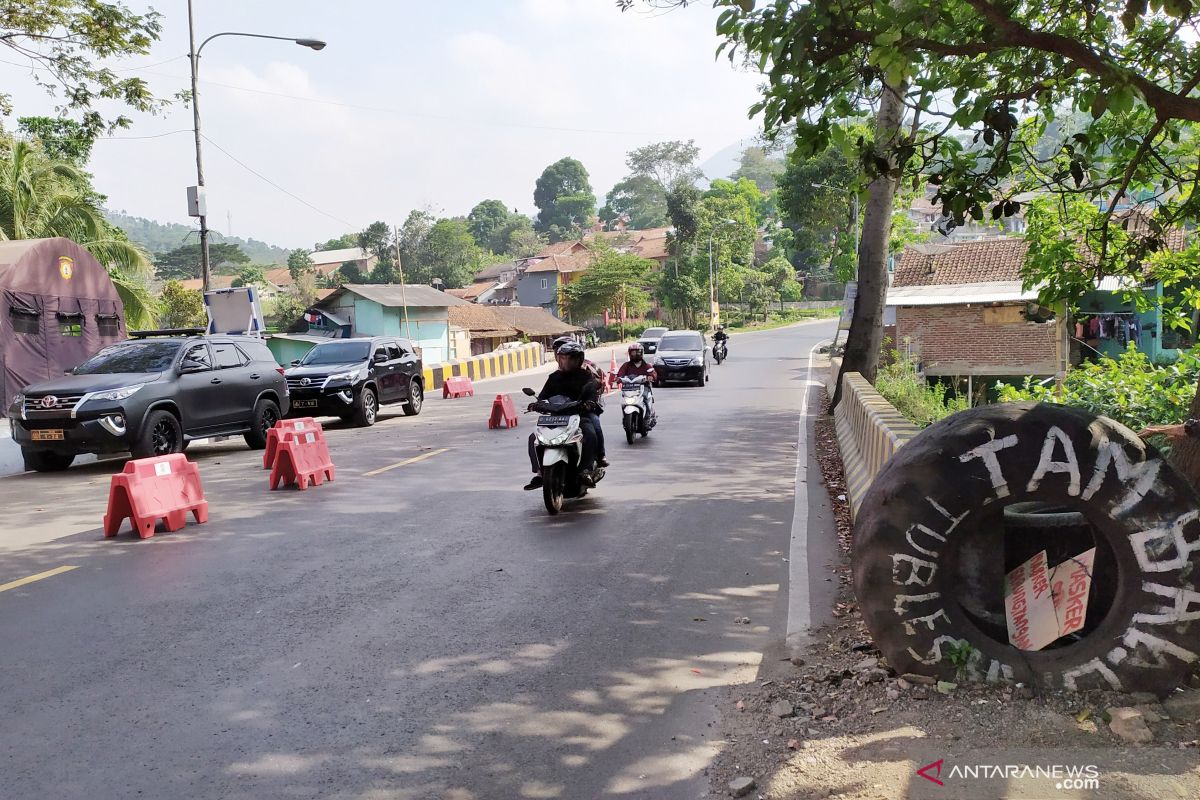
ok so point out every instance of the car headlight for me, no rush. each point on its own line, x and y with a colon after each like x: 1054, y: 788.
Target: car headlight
x: 697, y: 361
x: 351, y: 376
x: 19, y: 400
x: 117, y: 394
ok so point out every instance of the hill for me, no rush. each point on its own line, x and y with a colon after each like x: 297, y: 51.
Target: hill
x: 158, y: 237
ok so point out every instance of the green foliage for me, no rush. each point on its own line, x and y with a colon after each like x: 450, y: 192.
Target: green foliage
x: 181, y: 308
x: 641, y: 198
x: 756, y: 165
x: 183, y: 262
x: 668, y: 164
x: 818, y: 216
x: 61, y: 139
x: 157, y: 237
x: 745, y: 189
x: 71, y: 42
x: 1129, y: 389
x: 377, y: 240
x: 250, y: 276
x: 343, y: 242
x: 488, y: 222
x: 448, y: 252
x: 565, y: 201
x: 298, y: 264
x: 615, y: 281
x: 922, y: 404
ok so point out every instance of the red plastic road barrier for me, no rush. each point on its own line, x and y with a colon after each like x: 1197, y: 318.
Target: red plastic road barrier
x: 458, y: 386
x: 301, y: 424
x: 302, y: 458
x: 503, y: 411
x: 150, y: 489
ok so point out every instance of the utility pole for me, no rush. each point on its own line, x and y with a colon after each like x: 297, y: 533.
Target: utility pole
x: 194, y: 57
x: 400, y: 269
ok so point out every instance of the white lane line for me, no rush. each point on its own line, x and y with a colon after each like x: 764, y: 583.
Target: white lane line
x: 799, y: 601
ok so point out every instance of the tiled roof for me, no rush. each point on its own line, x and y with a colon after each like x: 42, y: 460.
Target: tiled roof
x: 984, y: 261
x: 214, y: 282
x: 492, y: 271
x: 558, y: 249
x: 283, y: 277
x: 532, y: 321
x: 573, y: 262
x: 480, y: 319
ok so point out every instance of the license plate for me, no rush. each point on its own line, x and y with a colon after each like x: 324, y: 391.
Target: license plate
x: 304, y: 404
x: 547, y: 421
x: 47, y: 435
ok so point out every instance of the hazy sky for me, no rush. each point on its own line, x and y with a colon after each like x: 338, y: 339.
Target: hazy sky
x: 412, y: 104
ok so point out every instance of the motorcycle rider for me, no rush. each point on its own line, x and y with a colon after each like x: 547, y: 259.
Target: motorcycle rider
x: 590, y: 366
x: 719, y: 335
x: 637, y: 365
x: 571, y: 380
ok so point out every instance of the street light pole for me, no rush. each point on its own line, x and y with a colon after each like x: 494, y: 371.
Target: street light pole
x: 194, y: 58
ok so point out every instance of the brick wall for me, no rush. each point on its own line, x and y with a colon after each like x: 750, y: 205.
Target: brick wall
x: 974, y: 340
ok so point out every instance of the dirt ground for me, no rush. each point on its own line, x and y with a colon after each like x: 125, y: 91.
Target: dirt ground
x: 855, y: 729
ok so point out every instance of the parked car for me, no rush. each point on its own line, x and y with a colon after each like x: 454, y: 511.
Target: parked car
x: 151, y: 396
x: 352, y: 378
x: 650, y: 338
x: 681, y: 356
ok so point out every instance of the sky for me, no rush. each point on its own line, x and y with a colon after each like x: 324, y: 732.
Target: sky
x: 412, y: 105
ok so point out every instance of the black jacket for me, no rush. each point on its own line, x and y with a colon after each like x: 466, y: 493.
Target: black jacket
x: 578, y: 384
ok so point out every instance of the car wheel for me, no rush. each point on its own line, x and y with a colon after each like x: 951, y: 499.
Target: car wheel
x: 266, y: 414
x: 161, y: 435
x: 46, y: 460
x: 416, y: 398
x: 366, y: 408
x: 985, y: 491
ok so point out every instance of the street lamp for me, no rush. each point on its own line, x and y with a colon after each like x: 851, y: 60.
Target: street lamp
x: 196, y: 200
x: 712, y: 287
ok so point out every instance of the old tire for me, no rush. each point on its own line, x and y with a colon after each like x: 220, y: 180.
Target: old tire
x: 416, y: 398
x: 47, y: 460
x: 928, y: 540
x: 266, y: 414
x: 161, y: 435
x: 366, y: 408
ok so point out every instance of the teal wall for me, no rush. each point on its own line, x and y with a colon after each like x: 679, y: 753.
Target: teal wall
x: 1150, y: 335
x: 287, y: 350
x: 429, y: 326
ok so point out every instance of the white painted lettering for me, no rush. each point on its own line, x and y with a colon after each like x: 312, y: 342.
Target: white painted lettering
x: 935, y: 653
x: 915, y: 565
x: 930, y: 533
x: 1071, y: 677
x: 1047, y: 464
x: 1138, y: 479
x: 902, y: 601
x: 909, y: 624
x: 1156, y: 650
x: 1181, y: 607
x: 988, y: 453
x: 1149, y: 545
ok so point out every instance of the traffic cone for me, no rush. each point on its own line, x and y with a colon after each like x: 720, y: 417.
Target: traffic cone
x: 612, y: 370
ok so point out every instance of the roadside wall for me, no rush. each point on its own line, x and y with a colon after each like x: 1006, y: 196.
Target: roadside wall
x: 869, y: 430
x: 488, y: 365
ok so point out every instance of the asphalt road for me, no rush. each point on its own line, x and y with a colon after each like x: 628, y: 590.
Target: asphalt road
x: 427, y: 631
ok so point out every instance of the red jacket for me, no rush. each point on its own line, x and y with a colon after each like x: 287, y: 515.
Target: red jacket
x: 629, y: 369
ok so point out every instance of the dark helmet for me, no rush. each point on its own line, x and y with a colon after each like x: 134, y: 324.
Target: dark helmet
x: 560, y: 341
x: 569, y: 348
x: 636, y: 349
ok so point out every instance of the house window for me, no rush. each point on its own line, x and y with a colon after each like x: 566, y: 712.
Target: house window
x: 23, y: 321
x: 70, y: 324
x: 109, y: 326
x: 545, y: 283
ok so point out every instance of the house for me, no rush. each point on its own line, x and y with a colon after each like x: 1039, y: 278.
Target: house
x: 535, y: 324
x: 419, y: 313
x: 327, y: 262
x: 539, y: 284
x: 962, y: 311
x: 268, y: 292
x: 58, y: 307
x: 927, y: 216
x: 484, y: 330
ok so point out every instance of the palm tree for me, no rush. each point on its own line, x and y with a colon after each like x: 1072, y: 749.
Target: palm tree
x: 41, y: 198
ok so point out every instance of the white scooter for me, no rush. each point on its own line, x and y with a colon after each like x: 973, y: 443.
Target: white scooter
x: 637, y: 409
x: 558, y: 440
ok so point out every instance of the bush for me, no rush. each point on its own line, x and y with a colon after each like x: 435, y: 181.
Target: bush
x: 1129, y: 389
x: 922, y: 404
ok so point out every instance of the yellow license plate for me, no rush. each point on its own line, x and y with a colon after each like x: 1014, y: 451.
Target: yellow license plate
x: 51, y: 435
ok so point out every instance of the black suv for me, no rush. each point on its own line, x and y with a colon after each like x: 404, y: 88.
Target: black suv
x: 681, y: 356
x: 151, y: 396
x: 350, y: 378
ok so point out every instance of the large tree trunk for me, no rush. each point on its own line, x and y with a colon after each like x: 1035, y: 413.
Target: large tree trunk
x: 866, y: 324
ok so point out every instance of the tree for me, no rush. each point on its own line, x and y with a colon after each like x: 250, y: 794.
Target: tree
x: 250, y: 276
x: 640, y: 198
x: 489, y: 225
x: 524, y: 242
x: 343, y: 242
x: 377, y: 239
x: 348, y: 272
x: 181, y: 308
x: 668, y: 164
x: 183, y: 262
x: 565, y: 201
x: 744, y: 188
x: 68, y: 40
x: 755, y: 165
x: 615, y: 281
x: 416, y: 228
x: 449, y: 253
x: 61, y: 139
x: 299, y: 263
x: 814, y: 197
x: 41, y: 197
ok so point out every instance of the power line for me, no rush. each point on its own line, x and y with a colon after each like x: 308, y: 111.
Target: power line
x: 267, y: 180
x: 128, y: 138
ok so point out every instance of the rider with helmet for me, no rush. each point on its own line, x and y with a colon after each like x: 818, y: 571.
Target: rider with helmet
x: 638, y: 365
x: 719, y: 335
x: 572, y: 381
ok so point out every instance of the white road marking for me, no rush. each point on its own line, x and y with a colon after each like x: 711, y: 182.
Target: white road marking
x: 799, y: 602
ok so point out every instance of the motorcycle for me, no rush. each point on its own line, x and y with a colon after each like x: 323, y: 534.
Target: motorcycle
x: 558, y: 440
x: 720, y: 353
x: 636, y: 409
